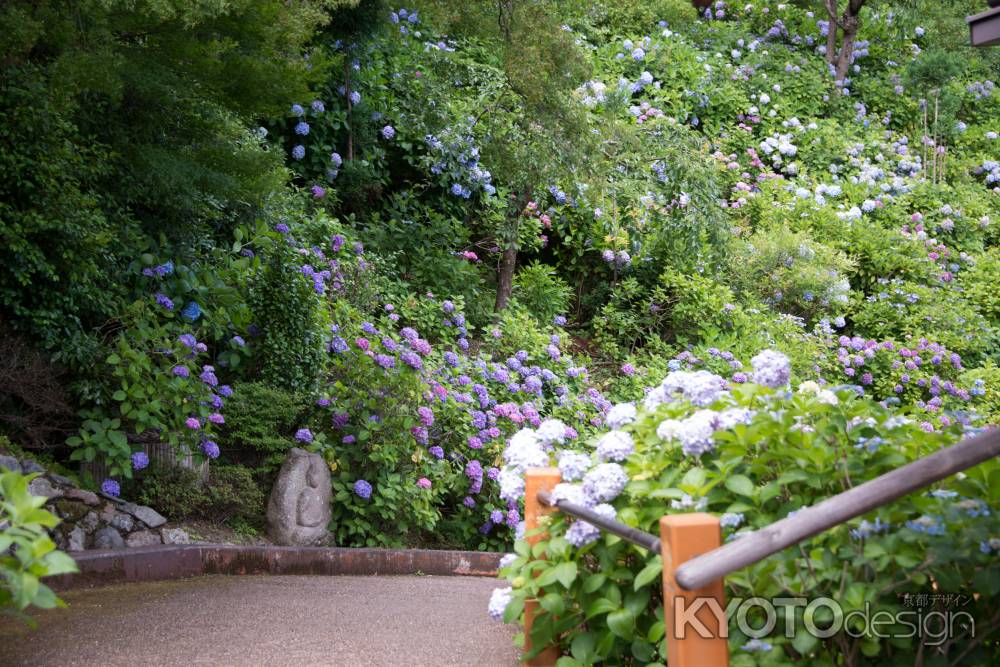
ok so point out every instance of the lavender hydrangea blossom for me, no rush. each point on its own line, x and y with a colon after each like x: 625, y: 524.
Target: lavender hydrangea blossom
x: 771, y: 369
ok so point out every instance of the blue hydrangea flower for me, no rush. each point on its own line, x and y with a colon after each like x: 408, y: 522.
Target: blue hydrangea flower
x: 363, y: 489
x: 191, y: 312
x: 388, y: 132
x: 318, y: 107
x: 110, y: 487
x: 297, y: 110
x: 299, y: 152
x: 302, y: 128
x: 139, y: 460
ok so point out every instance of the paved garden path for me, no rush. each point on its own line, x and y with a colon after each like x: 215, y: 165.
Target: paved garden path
x: 268, y: 620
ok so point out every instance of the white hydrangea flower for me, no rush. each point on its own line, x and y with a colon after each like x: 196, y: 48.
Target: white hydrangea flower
x: 499, y: 600
x: 573, y: 465
x: 668, y: 429
x: 511, y: 485
x: 605, y: 482
x: 615, y: 446
x: 525, y: 451
x: 571, y: 493
x: 621, y: 414
x: 551, y: 431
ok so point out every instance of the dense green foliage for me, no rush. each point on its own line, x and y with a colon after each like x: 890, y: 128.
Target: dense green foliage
x: 399, y: 236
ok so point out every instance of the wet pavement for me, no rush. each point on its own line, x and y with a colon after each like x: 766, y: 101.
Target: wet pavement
x: 268, y: 620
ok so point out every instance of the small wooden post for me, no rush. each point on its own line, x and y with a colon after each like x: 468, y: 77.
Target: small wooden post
x: 695, y: 621
x: 535, y: 480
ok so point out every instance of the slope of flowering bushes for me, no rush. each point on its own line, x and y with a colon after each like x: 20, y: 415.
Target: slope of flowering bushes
x: 752, y: 450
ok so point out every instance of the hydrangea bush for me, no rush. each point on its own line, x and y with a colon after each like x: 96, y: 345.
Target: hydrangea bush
x: 752, y: 452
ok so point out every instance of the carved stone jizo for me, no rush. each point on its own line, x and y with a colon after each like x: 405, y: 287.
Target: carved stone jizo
x: 298, y: 511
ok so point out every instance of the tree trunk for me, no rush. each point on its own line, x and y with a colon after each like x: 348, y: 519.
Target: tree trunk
x: 347, y: 92
x: 505, y: 281
x: 851, y: 25
x: 831, y: 32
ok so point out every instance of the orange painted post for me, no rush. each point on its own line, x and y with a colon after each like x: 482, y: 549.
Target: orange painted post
x: 535, y: 480
x: 697, y: 633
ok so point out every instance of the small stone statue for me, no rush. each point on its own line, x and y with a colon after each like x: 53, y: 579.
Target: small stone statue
x: 299, y: 508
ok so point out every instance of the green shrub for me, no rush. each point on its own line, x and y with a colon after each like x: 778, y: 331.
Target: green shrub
x: 173, y: 491
x: 263, y: 419
x: 287, y: 310
x: 539, y: 288
x: 772, y: 453
x: 792, y: 272
x: 27, y: 553
x: 902, y: 310
x: 979, y: 283
x: 230, y: 494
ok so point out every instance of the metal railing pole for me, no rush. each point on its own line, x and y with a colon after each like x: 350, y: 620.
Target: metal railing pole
x: 537, y: 480
x: 695, y: 625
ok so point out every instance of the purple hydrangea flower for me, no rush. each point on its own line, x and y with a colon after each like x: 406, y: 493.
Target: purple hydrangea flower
x: 181, y: 371
x: 424, y: 483
x: 192, y: 423
x: 426, y: 415
x: 164, y: 300
x: 210, y: 449
x: 216, y: 418
x: 771, y: 369
x: 304, y: 435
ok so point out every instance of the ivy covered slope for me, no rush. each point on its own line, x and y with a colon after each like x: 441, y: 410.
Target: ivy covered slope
x: 442, y: 242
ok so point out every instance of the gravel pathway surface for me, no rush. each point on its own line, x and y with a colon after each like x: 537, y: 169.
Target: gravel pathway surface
x: 268, y: 620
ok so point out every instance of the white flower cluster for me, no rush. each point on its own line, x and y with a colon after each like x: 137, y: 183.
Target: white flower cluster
x: 702, y: 388
x: 499, y: 600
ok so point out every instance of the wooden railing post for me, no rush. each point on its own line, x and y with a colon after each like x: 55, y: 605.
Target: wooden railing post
x: 695, y: 623
x: 537, y: 479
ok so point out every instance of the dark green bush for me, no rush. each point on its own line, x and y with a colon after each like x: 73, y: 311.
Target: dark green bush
x: 231, y: 494
x: 172, y: 491
x: 262, y: 420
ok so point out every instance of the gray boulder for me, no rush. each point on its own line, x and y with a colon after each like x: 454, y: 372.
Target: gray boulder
x: 174, y: 536
x: 10, y: 463
x: 77, y: 539
x: 84, y: 496
x: 90, y: 522
x: 42, y: 487
x: 143, y: 538
x: 108, y: 538
x: 122, y: 522
x: 30, y: 465
x: 147, y: 515
x: 298, y: 510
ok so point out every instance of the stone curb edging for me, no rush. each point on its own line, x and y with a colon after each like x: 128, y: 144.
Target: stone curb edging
x: 100, y: 568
